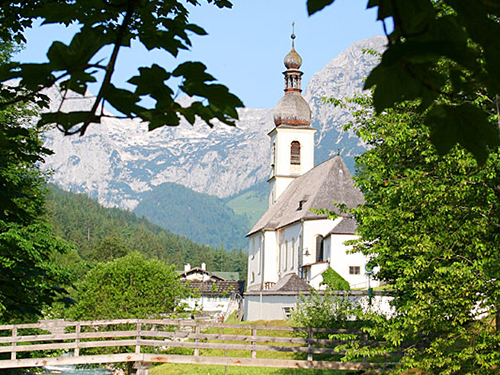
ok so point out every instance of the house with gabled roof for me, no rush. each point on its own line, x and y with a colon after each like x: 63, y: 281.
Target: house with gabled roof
x: 212, y: 294
x: 295, y: 241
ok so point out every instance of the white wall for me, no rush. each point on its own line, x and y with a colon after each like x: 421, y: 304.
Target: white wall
x: 269, y: 307
x: 208, y: 304
x: 281, y: 140
x: 289, y: 248
x: 341, y: 260
x: 313, y: 228
x: 253, y: 243
x: 270, y: 270
x: 315, y: 278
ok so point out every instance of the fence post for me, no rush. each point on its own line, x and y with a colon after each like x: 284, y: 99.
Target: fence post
x: 77, y: 340
x: 365, y: 339
x: 141, y: 368
x: 138, y: 337
x: 225, y: 350
x: 197, y: 332
x: 309, y: 340
x: 254, y: 334
x: 14, y: 343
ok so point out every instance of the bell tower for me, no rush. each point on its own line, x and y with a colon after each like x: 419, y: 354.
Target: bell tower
x: 292, y: 139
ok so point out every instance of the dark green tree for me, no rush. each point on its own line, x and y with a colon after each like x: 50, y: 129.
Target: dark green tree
x: 129, y: 287
x: 327, y: 309
x: 426, y: 32
x: 432, y: 225
x: 109, y: 248
x: 106, y: 27
x: 30, y: 279
x: 334, y: 281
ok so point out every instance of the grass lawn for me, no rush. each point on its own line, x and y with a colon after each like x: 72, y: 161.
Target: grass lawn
x: 178, y: 369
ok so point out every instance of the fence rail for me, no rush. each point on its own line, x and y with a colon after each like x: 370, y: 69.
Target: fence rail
x: 144, y: 341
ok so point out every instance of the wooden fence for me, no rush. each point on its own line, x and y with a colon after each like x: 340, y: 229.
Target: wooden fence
x: 144, y: 341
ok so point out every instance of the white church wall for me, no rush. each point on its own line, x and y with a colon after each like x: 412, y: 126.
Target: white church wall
x: 289, y: 246
x: 281, y: 168
x: 277, y: 307
x: 316, y: 277
x: 253, y: 260
x: 348, y: 264
x: 268, y: 307
x: 283, y: 141
x: 270, y: 269
x: 279, y: 186
x: 312, y: 229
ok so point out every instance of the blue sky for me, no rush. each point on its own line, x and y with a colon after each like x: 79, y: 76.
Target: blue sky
x: 246, y: 45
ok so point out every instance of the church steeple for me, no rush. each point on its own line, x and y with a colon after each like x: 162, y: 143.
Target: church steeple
x: 292, y: 109
x: 292, y: 61
x: 292, y: 140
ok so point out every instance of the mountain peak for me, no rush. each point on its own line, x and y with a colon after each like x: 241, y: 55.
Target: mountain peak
x: 119, y: 161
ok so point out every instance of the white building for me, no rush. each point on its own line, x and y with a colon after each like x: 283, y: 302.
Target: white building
x: 212, y: 294
x: 291, y: 245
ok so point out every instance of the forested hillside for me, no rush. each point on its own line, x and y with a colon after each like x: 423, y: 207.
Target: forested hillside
x: 252, y: 202
x: 204, y: 218
x: 100, y: 233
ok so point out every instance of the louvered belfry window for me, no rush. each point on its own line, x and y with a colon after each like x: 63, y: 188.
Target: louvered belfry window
x: 295, y: 153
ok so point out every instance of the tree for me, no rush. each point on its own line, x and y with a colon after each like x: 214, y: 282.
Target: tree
x: 327, y: 309
x: 109, y: 248
x: 426, y: 32
x: 30, y: 279
x: 105, y: 28
x: 129, y: 287
x: 432, y: 225
x: 334, y: 281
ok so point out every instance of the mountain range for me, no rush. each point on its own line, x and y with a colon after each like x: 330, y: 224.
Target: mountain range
x: 121, y: 164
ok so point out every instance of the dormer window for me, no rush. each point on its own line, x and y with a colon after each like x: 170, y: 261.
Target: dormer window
x: 295, y: 153
x: 301, y: 204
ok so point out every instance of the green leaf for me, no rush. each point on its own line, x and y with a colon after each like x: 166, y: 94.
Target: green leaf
x: 196, y: 29
x: 151, y: 81
x: 78, y: 82
x: 70, y: 120
x: 314, y: 6
x: 193, y: 71
x: 122, y: 100
x: 466, y: 125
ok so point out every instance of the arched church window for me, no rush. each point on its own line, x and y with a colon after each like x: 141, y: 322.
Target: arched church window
x: 286, y: 256
x: 273, y: 159
x: 319, y: 248
x: 295, y: 153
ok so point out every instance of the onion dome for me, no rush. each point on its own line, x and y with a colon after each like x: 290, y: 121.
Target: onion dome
x: 292, y: 109
x: 293, y: 59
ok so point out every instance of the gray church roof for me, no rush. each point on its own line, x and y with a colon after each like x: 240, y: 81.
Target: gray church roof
x: 290, y: 283
x: 319, y: 188
x: 347, y: 226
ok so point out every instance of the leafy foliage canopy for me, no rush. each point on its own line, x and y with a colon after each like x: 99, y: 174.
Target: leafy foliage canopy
x: 106, y: 27
x: 431, y: 224
x: 426, y: 32
x: 30, y: 279
x: 129, y: 287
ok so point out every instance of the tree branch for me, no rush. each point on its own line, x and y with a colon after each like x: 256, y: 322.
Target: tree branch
x: 110, y: 67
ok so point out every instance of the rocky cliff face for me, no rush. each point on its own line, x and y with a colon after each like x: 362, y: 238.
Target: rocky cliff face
x: 119, y: 160
x: 342, y: 77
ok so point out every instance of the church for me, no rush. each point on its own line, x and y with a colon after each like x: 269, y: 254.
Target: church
x: 293, y: 244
